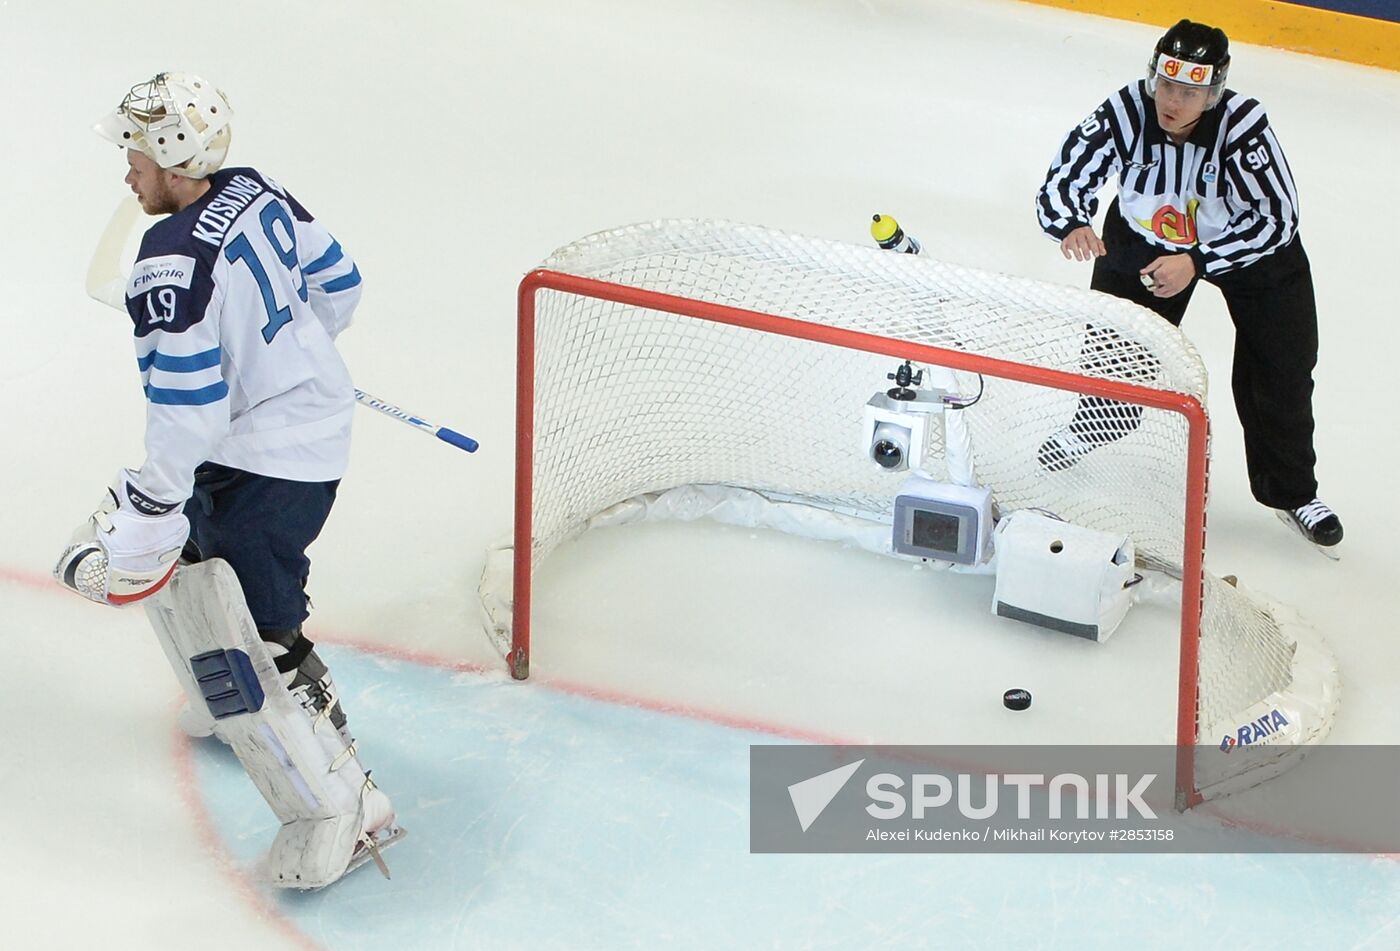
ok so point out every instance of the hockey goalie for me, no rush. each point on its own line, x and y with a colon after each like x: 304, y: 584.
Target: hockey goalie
x: 236, y: 298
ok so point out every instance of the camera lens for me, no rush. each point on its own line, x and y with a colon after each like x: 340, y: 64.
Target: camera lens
x: 887, y: 454
x: 889, y: 446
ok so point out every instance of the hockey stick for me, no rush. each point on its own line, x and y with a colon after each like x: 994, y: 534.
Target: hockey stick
x: 106, y: 284
x: 449, y: 436
x: 105, y: 281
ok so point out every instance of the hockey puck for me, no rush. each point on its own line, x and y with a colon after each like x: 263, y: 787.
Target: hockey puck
x: 1016, y: 699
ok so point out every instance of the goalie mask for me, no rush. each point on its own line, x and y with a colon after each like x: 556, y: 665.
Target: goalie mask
x: 1191, y: 54
x: 178, y: 120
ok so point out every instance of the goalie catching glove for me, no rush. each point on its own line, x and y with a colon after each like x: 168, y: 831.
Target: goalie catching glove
x: 127, y: 550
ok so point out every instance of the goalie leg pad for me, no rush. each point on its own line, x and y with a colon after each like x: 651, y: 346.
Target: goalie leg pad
x: 333, y: 816
x: 303, y: 673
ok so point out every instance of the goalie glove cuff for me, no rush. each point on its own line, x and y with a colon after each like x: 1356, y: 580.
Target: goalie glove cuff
x: 127, y: 549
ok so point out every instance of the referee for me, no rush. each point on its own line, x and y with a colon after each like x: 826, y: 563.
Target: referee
x: 1204, y: 193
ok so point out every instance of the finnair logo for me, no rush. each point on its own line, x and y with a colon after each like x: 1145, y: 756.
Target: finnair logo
x: 165, y: 270
x: 811, y: 796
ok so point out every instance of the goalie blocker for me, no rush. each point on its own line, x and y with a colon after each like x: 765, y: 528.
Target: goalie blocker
x: 334, y: 818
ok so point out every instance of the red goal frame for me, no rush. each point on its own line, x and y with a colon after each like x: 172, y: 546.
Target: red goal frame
x: 1197, y: 462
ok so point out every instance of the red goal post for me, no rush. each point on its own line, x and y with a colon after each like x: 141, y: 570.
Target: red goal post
x: 636, y: 318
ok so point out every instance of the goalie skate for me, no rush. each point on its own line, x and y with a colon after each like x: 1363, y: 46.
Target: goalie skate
x: 321, y: 844
x: 371, y: 848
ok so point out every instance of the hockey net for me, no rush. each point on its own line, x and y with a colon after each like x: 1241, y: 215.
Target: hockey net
x: 739, y: 358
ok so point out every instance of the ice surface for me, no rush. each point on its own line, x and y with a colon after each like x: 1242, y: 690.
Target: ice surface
x: 451, y: 148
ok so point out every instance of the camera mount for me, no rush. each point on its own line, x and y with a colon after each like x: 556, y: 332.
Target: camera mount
x: 898, y: 422
x: 903, y: 378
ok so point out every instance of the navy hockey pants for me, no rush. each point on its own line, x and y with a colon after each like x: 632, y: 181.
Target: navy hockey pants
x: 1272, y: 305
x: 261, y: 526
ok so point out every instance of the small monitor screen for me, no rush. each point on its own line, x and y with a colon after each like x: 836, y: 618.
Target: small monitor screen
x: 937, y: 531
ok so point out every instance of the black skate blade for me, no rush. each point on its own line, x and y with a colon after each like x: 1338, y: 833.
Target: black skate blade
x: 1327, y: 551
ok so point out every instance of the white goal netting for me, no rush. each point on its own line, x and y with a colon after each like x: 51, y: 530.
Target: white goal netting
x: 629, y: 399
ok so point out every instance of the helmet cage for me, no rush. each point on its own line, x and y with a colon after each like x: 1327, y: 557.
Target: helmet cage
x: 189, y: 140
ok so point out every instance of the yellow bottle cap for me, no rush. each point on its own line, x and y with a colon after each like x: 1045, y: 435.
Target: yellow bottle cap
x: 883, y: 227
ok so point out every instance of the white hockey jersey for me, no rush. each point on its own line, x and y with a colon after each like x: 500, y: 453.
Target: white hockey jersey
x: 237, y: 300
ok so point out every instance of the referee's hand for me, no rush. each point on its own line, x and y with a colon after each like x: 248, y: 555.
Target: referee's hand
x: 1169, y: 275
x: 1082, y: 244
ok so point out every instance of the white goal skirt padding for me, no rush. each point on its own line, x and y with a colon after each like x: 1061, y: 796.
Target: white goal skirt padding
x: 628, y: 401
x: 1062, y: 576
x: 299, y: 762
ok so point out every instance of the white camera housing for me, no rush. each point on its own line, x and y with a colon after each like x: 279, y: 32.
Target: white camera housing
x: 897, y: 432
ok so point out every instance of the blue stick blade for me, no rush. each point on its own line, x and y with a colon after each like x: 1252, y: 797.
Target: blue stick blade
x: 457, y: 439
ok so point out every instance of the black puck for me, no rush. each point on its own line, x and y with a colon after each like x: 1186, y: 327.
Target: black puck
x: 1016, y: 699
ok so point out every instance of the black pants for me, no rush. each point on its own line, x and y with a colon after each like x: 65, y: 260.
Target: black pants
x: 1272, y: 305
x: 261, y: 526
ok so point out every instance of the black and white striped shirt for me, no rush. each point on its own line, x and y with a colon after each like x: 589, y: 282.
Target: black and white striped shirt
x: 1226, y: 195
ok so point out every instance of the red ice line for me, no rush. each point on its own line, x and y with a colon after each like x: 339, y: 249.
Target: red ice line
x: 245, y: 886
x: 267, y: 909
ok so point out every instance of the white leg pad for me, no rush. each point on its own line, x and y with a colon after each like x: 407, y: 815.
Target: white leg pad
x: 333, y: 816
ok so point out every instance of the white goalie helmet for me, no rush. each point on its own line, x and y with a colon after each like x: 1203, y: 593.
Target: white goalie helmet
x: 178, y: 120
